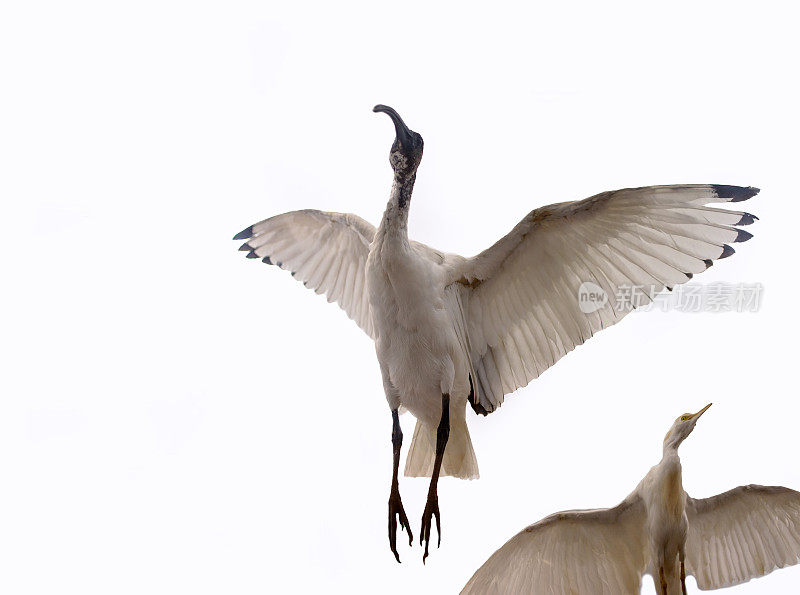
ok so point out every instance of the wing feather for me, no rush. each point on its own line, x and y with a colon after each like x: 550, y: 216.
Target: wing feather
x: 326, y: 251
x: 742, y: 534
x: 583, y: 551
x: 521, y: 295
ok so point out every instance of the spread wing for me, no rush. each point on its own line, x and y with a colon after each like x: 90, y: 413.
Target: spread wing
x: 326, y: 251
x: 742, y: 534
x: 584, y: 551
x: 522, y: 294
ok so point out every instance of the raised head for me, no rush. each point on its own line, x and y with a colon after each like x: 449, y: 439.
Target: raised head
x: 406, y: 152
x: 682, y: 427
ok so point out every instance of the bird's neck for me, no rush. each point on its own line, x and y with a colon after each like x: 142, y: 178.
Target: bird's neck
x: 670, y: 484
x: 671, y: 448
x: 395, y: 218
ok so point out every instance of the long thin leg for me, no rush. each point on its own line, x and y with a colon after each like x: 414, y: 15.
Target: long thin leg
x: 683, y: 573
x: 432, y: 504
x: 663, y: 580
x: 396, y: 511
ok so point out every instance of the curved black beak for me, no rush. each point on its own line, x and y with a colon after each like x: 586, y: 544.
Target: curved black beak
x: 401, y: 130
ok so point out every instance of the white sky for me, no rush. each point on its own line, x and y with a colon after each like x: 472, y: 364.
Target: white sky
x: 176, y: 418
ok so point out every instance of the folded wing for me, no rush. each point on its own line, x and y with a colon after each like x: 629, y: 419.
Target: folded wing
x: 326, y: 251
x: 742, y: 534
x: 584, y: 551
x: 522, y: 295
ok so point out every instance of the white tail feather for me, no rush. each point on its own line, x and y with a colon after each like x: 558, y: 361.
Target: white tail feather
x: 459, y: 457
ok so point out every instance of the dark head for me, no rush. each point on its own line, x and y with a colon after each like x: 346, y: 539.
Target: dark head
x: 406, y: 152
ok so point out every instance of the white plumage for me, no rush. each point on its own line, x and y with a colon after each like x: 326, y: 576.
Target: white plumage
x: 477, y: 329
x: 724, y: 540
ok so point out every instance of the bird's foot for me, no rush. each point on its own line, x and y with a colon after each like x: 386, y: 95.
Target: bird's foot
x: 431, y: 510
x: 397, y: 514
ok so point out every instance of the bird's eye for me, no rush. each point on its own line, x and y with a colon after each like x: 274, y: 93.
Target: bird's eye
x: 686, y: 416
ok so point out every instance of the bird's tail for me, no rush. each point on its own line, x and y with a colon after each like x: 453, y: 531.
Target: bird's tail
x: 459, y: 457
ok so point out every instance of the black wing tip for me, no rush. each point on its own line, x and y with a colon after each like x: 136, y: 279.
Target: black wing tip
x: 708, y: 262
x: 734, y: 193
x: 244, y: 234
x: 742, y: 236
x: 726, y: 251
x: 252, y: 254
x: 747, y: 219
x: 689, y: 276
x: 245, y: 247
x: 477, y: 407
x: 480, y: 409
x: 266, y: 260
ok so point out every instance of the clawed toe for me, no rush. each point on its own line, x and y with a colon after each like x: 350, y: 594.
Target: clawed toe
x: 431, y: 512
x: 397, y: 514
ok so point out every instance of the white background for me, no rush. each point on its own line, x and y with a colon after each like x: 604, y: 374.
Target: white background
x: 178, y: 419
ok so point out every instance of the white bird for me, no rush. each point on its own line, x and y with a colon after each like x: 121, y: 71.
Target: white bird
x: 449, y: 329
x: 658, y: 530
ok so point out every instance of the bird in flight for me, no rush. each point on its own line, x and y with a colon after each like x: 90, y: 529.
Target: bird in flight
x: 450, y: 330
x: 658, y: 530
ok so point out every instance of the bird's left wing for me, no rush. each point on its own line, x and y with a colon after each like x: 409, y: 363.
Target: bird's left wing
x: 742, y: 534
x: 583, y: 551
x: 326, y: 251
x: 569, y: 270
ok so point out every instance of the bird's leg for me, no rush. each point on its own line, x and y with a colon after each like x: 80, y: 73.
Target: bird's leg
x: 683, y: 572
x: 432, y: 504
x: 396, y: 511
x: 663, y: 580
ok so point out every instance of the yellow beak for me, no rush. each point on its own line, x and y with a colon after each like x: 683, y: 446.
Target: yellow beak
x: 702, y: 411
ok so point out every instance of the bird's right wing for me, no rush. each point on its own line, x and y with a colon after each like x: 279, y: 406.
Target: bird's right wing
x: 326, y: 251
x: 742, y: 534
x: 584, y: 551
x: 552, y: 281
